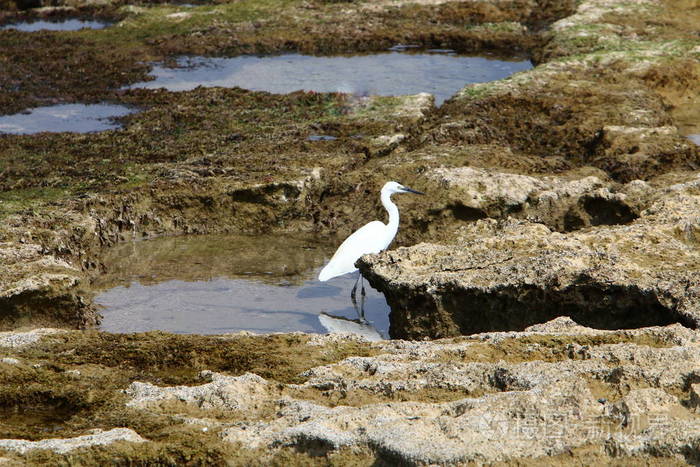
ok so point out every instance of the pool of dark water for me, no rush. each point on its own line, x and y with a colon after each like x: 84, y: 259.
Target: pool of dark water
x: 440, y: 73
x: 63, y: 25
x: 77, y: 118
x: 222, y: 284
x: 46, y: 419
x: 687, y: 118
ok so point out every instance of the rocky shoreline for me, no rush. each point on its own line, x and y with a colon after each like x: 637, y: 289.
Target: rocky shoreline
x: 562, y: 193
x: 554, y: 393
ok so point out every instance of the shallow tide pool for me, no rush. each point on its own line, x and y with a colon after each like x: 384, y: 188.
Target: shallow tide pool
x: 77, y: 118
x: 393, y: 73
x: 64, y: 25
x: 222, y: 284
x: 687, y: 118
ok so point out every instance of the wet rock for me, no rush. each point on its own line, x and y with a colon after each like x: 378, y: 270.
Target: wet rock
x: 62, y: 446
x: 40, y: 289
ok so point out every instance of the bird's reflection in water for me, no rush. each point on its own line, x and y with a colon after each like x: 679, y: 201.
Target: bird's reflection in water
x: 340, y: 324
x: 351, y: 319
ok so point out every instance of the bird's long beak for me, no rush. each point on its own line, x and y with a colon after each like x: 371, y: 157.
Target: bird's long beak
x: 411, y: 190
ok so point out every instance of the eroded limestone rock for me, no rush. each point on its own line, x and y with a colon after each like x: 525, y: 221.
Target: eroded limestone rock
x: 507, y: 275
x: 64, y: 445
x: 415, y: 433
x: 224, y: 392
x: 15, y: 339
x: 561, y: 203
x: 505, y: 396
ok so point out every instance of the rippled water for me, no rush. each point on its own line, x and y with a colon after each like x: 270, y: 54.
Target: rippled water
x: 77, y: 118
x: 65, y: 25
x: 220, y: 284
x: 392, y: 73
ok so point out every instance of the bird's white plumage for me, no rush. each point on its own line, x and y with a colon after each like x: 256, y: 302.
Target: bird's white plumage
x: 368, y: 239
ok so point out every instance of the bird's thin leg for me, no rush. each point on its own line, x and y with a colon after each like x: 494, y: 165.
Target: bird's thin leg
x: 362, y: 300
x: 352, y: 294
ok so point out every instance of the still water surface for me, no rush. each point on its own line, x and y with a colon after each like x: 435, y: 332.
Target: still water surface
x: 76, y: 118
x: 220, y: 284
x: 65, y: 25
x: 687, y: 117
x: 389, y: 74
x: 440, y: 73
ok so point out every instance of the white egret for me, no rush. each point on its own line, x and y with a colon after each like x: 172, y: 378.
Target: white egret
x: 370, y: 238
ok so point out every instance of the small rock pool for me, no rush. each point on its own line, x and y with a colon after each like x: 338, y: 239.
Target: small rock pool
x: 76, y: 118
x: 439, y: 72
x: 222, y: 284
x: 687, y: 118
x: 63, y: 25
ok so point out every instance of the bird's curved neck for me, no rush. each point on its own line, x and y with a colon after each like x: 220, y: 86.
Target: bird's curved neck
x: 392, y: 210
